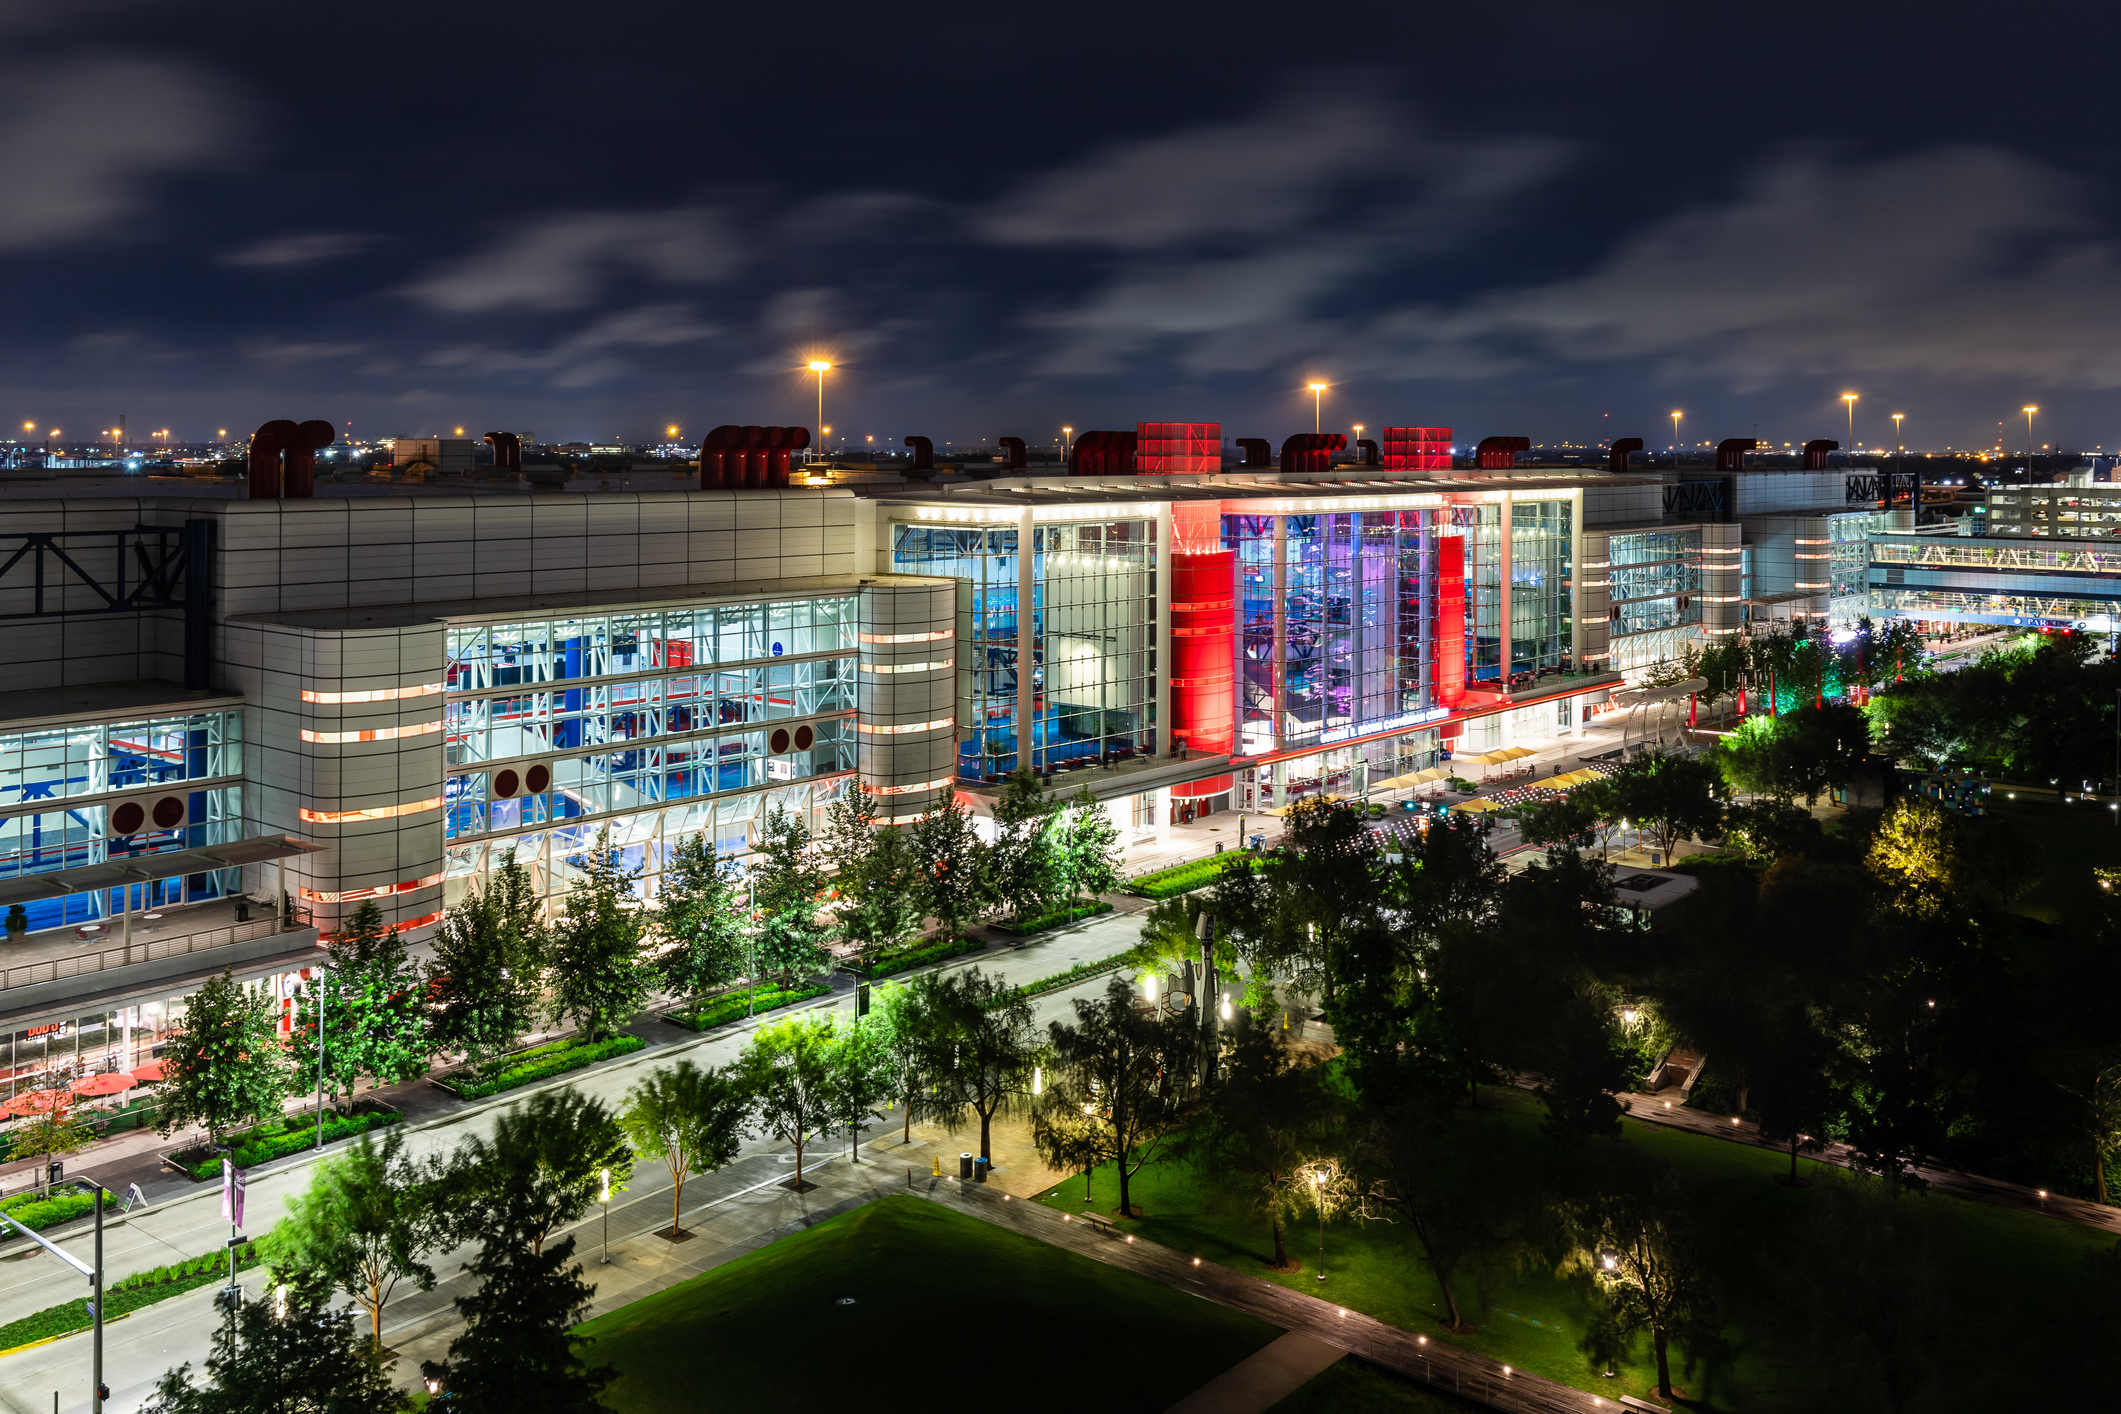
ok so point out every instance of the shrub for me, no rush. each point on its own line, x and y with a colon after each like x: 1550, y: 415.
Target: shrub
x: 731, y: 1006
x: 1057, y: 919
x: 276, y: 1139
x: 556, y: 1059
x: 1184, y: 878
x: 38, y: 1213
x: 921, y: 957
x: 130, y: 1294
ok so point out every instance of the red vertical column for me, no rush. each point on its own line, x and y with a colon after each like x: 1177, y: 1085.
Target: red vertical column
x: 1450, y: 620
x: 1203, y: 649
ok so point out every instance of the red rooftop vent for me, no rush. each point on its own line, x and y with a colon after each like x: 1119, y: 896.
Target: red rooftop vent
x: 283, y: 459
x: 1815, y: 452
x: 1616, y: 456
x: 1019, y: 458
x: 1500, y: 453
x: 1258, y: 452
x: 1102, y: 454
x: 1312, y: 451
x: 507, y: 451
x: 736, y: 458
x: 1730, y: 452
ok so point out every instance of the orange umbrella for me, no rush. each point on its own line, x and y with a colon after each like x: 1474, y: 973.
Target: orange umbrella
x: 107, y: 1084
x: 148, y: 1074
x: 36, y: 1102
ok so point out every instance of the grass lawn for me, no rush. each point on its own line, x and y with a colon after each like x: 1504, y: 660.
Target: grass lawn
x: 1354, y: 1386
x: 948, y: 1311
x: 2068, y: 841
x: 1532, y: 1319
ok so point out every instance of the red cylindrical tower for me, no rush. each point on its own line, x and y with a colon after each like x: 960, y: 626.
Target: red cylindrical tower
x: 1203, y: 649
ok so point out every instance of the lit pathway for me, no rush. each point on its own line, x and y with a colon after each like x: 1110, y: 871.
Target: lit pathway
x: 1431, y: 1361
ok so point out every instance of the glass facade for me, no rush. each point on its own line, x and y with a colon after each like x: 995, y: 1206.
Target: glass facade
x: 629, y: 713
x: 1093, y: 630
x: 1655, y: 579
x: 57, y: 764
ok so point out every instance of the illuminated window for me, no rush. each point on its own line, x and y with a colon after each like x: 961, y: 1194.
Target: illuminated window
x: 941, y: 636
x: 381, y: 812
x: 373, y: 733
x: 908, y: 667
x: 381, y: 694
x: 380, y: 891
x: 935, y: 725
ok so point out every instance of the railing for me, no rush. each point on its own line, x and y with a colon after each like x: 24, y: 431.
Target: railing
x: 144, y: 950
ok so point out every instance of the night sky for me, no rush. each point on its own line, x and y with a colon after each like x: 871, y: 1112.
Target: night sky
x: 595, y: 220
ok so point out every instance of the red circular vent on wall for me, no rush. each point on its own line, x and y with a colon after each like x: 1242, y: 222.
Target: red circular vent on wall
x: 803, y: 737
x: 779, y: 740
x: 538, y: 778
x: 505, y: 784
x: 168, y: 812
x: 126, y: 818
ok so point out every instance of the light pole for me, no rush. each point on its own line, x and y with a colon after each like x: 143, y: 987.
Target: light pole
x: 97, y: 1393
x: 1896, y: 431
x: 751, y: 950
x: 1358, y: 448
x: 1067, y: 443
x: 1318, y: 395
x: 1675, y: 436
x: 1850, y: 399
x: 2030, y: 409
x: 605, y: 1198
x: 820, y: 367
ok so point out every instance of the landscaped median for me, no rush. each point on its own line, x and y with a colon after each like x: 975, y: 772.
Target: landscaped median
x: 123, y: 1298
x: 1058, y: 919
x: 37, y: 1212
x: 1185, y: 878
x: 893, y: 964
x: 743, y: 1002
x: 540, y: 1063
x: 277, y: 1138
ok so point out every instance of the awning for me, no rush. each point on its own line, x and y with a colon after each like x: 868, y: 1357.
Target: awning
x: 135, y: 868
x: 1476, y: 807
x: 1514, y: 753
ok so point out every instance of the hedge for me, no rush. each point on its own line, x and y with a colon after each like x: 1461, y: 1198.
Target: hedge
x: 276, y: 1139
x: 1055, y: 920
x: 555, y: 1059
x: 1184, y: 878
x: 921, y: 957
x: 38, y: 1213
x: 123, y: 1297
x: 732, y: 1005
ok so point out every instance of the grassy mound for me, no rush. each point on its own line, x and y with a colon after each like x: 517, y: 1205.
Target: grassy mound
x: 1011, y: 1320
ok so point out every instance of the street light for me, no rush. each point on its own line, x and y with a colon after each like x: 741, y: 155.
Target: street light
x: 1676, y: 415
x: 820, y: 367
x: 1896, y: 431
x: 1318, y: 1196
x: 605, y: 1198
x: 1850, y: 399
x: 1318, y: 394
x: 2030, y: 409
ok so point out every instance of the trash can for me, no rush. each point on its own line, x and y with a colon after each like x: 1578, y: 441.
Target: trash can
x: 964, y: 1166
x: 979, y: 1169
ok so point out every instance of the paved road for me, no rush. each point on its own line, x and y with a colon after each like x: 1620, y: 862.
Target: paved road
x: 140, y: 1347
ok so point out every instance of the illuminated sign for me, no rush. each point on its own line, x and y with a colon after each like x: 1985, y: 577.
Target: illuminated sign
x: 1389, y: 724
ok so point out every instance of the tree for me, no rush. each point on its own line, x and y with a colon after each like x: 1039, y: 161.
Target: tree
x: 876, y: 875
x: 54, y: 1130
x: 787, y: 885
x: 984, y: 1049
x: 691, y: 1119
x: 701, y: 918
x: 518, y: 1350
x: 1673, y: 796
x: 373, y: 1021
x: 1089, y: 847
x: 952, y: 863
x: 482, y: 983
x: 1772, y: 829
x: 307, y: 1359
x: 599, y: 978
x: 1941, y: 855
x: 544, y: 1165
x: 226, y: 1068
x: 904, y: 1016
x: 788, y: 1070
x: 1131, y: 1069
x: 366, y: 1223
x: 1269, y: 1117
x: 1794, y: 1090
x: 1636, y: 1234
x: 860, y: 1078
x: 1028, y: 870
x: 1570, y: 821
